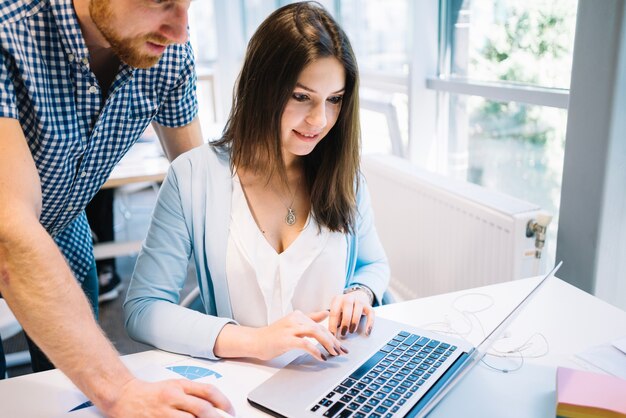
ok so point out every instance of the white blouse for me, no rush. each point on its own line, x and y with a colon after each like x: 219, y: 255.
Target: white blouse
x: 265, y: 286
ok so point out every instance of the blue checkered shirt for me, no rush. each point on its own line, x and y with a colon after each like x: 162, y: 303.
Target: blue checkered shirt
x: 75, y: 135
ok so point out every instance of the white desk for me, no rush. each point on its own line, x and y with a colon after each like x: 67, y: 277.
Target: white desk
x: 570, y: 319
x: 143, y: 162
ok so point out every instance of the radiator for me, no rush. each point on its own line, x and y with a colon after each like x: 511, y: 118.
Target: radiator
x: 443, y: 235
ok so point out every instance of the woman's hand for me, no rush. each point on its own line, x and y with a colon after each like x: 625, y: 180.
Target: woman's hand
x: 288, y: 333
x: 346, y: 311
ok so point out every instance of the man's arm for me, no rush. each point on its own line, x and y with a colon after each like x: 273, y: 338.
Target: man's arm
x: 46, y: 299
x: 176, y: 141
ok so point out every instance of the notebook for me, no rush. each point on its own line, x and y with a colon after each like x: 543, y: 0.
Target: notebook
x: 397, y: 371
x: 583, y: 394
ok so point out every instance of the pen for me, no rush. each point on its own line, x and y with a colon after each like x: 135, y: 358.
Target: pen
x: 82, y: 406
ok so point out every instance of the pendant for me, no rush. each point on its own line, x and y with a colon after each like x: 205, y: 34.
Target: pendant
x: 290, y: 219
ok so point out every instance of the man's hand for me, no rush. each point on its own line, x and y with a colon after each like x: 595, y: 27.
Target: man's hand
x: 346, y: 311
x: 169, y: 398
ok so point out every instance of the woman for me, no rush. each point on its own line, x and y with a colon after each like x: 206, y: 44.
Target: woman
x: 274, y: 214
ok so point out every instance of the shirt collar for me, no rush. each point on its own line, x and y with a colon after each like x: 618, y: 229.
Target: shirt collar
x: 74, y: 43
x: 67, y: 22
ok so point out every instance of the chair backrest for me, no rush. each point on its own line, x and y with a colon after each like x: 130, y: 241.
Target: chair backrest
x: 192, y: 300
x: 9, y: 327
x: 8, y: 323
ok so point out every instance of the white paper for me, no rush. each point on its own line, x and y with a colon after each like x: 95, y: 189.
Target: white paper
x: 620, y: 344
x: 606, y: 357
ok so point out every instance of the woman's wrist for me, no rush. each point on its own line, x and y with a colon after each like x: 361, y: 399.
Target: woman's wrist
x: 236, y: 341
x: 362, y: 288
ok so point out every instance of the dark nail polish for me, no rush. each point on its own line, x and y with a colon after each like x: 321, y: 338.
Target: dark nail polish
x: 352, y: 328
x: 324, y: 357
x: 344, y: 331
x: 369, y: 331
x: 344, y: 349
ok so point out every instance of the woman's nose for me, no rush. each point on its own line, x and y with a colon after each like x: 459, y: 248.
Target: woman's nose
x: 317, y: 116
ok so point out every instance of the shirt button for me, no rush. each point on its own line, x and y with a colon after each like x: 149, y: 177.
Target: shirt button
x: 83, y: 174
x: 70, y: 57
x: 93, y: 89
x: 69, y: 208
x: 85, y: 61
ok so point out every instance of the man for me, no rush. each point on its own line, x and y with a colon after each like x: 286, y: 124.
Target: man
x: 79, y: 82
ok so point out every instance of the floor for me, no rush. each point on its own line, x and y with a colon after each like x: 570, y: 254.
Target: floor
x: 133, y: 207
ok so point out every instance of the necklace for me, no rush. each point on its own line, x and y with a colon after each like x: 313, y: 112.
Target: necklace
x: 290, y: 218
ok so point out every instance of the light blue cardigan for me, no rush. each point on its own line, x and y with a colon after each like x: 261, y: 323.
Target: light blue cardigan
x: 191, y: 219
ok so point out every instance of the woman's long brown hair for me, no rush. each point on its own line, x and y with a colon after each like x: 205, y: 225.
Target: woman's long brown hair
x: 284, y: 44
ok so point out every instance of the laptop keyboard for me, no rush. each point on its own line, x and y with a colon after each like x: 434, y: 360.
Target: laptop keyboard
x: 387, y: 380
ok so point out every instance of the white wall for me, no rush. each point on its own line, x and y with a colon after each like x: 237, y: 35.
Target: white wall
x: 611, y: 269
x: 592, y: 225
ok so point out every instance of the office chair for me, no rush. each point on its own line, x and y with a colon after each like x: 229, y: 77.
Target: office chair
x: 9, y: 327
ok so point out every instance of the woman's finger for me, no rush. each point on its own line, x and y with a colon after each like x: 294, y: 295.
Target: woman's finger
x: 334, y: 318
x: 309, y: 347
x: 318, y: 316
x: 321, y: 335
x: 369, y: 311
x: 356, y: 317
x: 346, y: 314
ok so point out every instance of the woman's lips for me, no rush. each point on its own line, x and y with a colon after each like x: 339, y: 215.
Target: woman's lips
x: 308, y: 137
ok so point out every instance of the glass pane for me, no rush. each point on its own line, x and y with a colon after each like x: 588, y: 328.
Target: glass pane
x: 206, y: 106
x: 328, y: 4
x: 375, y: 138
x: 202, y: 31
x: 514, y: 148
x: 254, y: 12
x: 384, y: 122
x: 378, y: 31
x: 510, y: 40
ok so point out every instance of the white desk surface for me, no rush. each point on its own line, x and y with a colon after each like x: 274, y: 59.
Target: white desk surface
x: 571, y: 321
x: 144, y: 162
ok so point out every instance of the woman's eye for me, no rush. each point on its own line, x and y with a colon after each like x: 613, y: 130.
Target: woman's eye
x: 335, y: 99
x: 300, y: 97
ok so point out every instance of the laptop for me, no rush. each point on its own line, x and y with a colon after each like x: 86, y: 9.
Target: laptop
x: 398, y: 371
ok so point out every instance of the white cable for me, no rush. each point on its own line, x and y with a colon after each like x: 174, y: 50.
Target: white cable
x: 469, y: 316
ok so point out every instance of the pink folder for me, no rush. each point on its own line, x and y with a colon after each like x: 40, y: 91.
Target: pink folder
x: 582, y: 394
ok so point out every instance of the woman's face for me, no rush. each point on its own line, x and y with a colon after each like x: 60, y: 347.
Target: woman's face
x: 313, y: 107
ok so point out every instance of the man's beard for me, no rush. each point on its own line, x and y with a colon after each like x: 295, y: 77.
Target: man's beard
x: 128, y: 50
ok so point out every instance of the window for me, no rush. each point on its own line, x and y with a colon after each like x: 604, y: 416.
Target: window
x: 383, y: 57
x: 203, y: 38
x: 506, y: 40
x: 369, y: 24
x: 255, y: 11
x: 202, y: 33
x: 504, y: 71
